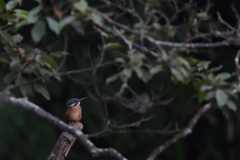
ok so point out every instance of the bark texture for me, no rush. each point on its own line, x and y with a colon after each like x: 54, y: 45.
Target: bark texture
x: 64, y: 143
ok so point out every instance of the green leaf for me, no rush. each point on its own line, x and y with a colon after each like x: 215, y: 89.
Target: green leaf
x: 42, y: 90
x: 8, y: 78
x: 139, y: 72
x: 66, y: 21
x: 48, y: 61
x: 38, y: 31
x: 137, y: 59
x: 177, y: 74
x: 184, y: 72
x: 146, y: 75
x: 112, y: 46
x: 59, y: 54
x: 210, y: 95
x: 231, y: 105
x: 35, y: 10
x: 126, y: 72
x: 33, y: 14
x: 11, y: 4
x: 105, y: 34
x: 53, y: 25
x: 21, y: 24
x: 120, y: 60
x: 39, y: 1
x: 203, y: 65
x: 97, y: 19
x: 155, y: 69
x: 112, y: 78
x: 184, y: 62
x: 2, y: 5
x: 82, y: 6
x: 221, y: 97
x: 22, y: 14
x: 7, y: 37
x: 107, y: 2
x: 17, y: 38
x: 206, y: 88
x: 15, y: 64
x: 25, y: 90
x: 214, y: 69
x: 44, y: 72
x: 138, y: 56
x: 201, y: 96
x: 157, y: 26
x: 223, y: 76
x: 39, y: 59
x: 78, y: 26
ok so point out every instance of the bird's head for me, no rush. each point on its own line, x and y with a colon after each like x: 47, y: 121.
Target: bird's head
x: 74, y: 101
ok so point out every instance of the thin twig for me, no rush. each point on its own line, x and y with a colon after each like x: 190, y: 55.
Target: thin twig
x: 237, y: 65
x: 225, y: 23
x: 134, y: 124
x: 64, y: 51
x: 60, y: 74
x: 102, y: 52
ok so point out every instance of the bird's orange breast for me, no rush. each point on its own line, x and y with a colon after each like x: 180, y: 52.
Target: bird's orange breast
x: 74, y: 113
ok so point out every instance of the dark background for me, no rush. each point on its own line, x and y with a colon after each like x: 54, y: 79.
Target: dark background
x: 23, y: 135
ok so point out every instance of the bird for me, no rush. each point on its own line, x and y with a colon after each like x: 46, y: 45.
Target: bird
x: 74, y: 111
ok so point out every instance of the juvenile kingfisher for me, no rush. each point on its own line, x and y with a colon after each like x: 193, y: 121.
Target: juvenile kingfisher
x: 74, y: 111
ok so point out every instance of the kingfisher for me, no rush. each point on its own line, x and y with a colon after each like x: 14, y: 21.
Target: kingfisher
x: 74, y: 111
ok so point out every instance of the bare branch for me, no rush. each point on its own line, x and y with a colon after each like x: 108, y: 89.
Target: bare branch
x: 182, y: 134
x: 225, y: 23
x: 162, y: 14
x: 130, y: 44
x: 130, y: 10
x: 78, y: 81
x: 111, y: 128
x: 166, y: 43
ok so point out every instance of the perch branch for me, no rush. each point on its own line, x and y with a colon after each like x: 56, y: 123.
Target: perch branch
x: 23, y: 102
x: 64, y: 143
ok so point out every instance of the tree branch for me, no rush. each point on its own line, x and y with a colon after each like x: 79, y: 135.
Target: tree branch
x: 165, y: 43
x: 60, y: 74
x: 64, y: 143
x: 180, y: 135
x: 23, y: 102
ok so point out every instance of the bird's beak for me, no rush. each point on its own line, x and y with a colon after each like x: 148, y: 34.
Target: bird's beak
x: 82, y: 98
